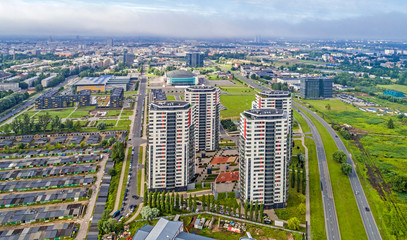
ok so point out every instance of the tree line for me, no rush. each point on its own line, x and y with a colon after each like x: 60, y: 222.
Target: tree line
x: 26, y: 125
x: 11, y: 100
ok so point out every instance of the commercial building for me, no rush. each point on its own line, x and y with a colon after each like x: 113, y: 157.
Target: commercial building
x: 50, y: 100
x: 316, y: 88
x: 194, y: 60
x: 181, y: 78
x: 393, y: 93
x: 116, y: 98
x: 166, y: 229
x: 128, y: 59
x: 171, y: 145
x: 103, y: 83
x: 207, y: 101
x: 263, y: 163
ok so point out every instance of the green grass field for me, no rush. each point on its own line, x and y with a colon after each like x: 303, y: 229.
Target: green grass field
x: 126, y: 174
x: 235, y: 104
x: 392, y: 105
x: 127, y: 113
x: 350, y: 222
x: 60, y: 112
x: 397, y: 87
x: 130, y: 93
x: 170, y: 97
x: 302, y: 122
x: 111, y: 113
x: 79, y: 114
x: 316, y: 207
x: 237, y: 90
x: 343, y: 113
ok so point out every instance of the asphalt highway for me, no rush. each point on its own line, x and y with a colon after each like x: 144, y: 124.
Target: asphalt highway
x: 364, y: 209
x: 331, y: 219
x: 136, y: 141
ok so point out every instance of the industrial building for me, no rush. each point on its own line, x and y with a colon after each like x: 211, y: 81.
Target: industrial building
x: 206, y: 121
x: 263, y: 157
x: 103, y: 83
x: 194, y: 59
x: 171, y: 145
x: 181, y: 78
x: 316, y: 88
x: 50, y: 100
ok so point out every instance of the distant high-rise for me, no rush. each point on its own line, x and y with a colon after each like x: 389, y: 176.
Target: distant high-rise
x: 110, y: 42
x: 194, y: 60
x: 316, y: 88
x: 171, y: 145
x: 207, y: 101
x: 263, y: 159
x: 128, y: 58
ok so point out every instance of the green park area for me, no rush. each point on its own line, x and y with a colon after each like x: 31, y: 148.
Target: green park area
x: 130, y: 93
x: 343, y: 113
x: 235, y: 104
x: 397, y: 87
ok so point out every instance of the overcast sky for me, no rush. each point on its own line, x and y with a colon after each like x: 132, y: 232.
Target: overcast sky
x: 328, y: 19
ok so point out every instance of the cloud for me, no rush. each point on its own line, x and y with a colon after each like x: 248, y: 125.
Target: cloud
x: 206, y: 19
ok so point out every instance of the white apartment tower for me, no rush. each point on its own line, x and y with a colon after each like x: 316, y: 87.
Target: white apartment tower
x: 207, y: 100
x: 171, y: 145
x: 263, y: 157
x: 277, y: 100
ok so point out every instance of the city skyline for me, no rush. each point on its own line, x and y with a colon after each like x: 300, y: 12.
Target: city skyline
x: 309, y: 19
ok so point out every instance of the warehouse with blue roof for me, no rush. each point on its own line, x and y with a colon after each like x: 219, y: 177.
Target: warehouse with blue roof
x: 103, y: 83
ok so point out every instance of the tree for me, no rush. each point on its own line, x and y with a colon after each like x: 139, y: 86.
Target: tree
x: 195, y: 204
x: 190, y: 202
x: 301, y: 158
x: 145, y: 198
x: 44, y: 120
x: 390, y: 124
x: 245, y: 209
x: 112, y: 172
x: 23, y: 85
x: 293, y: 223
x: 304, y: 181
x: 261, y: 211
x: 339, y: 156
x: 177, y: 200
x: 6, y: 129
x: 256, y: 211
x: 298, y: 178
x: 251, y: 210
x: 101, y: 126
x: 149, y: 213
x: 240, y: 209
x: 55, y: 123
x: 399, y: 183
x: 182, y: 200
x: 204, y: 202
x: 328, y: 107
x: 108, y: 226
x: 77, y: 126
x: 150, y: 199
x: 346, y: 168
x: 293, y: 176
x: 301, y: 208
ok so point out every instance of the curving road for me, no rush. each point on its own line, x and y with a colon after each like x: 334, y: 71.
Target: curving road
x: 331, y: 219
x: 368, y: 220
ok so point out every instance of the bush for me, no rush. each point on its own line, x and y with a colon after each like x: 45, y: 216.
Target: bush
x: 346, y: 168
x: 339, y: 156
x: 228, y: 125
x: 101, y: 125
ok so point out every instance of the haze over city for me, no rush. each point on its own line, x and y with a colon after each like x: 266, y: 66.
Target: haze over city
x: 307, y: 19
